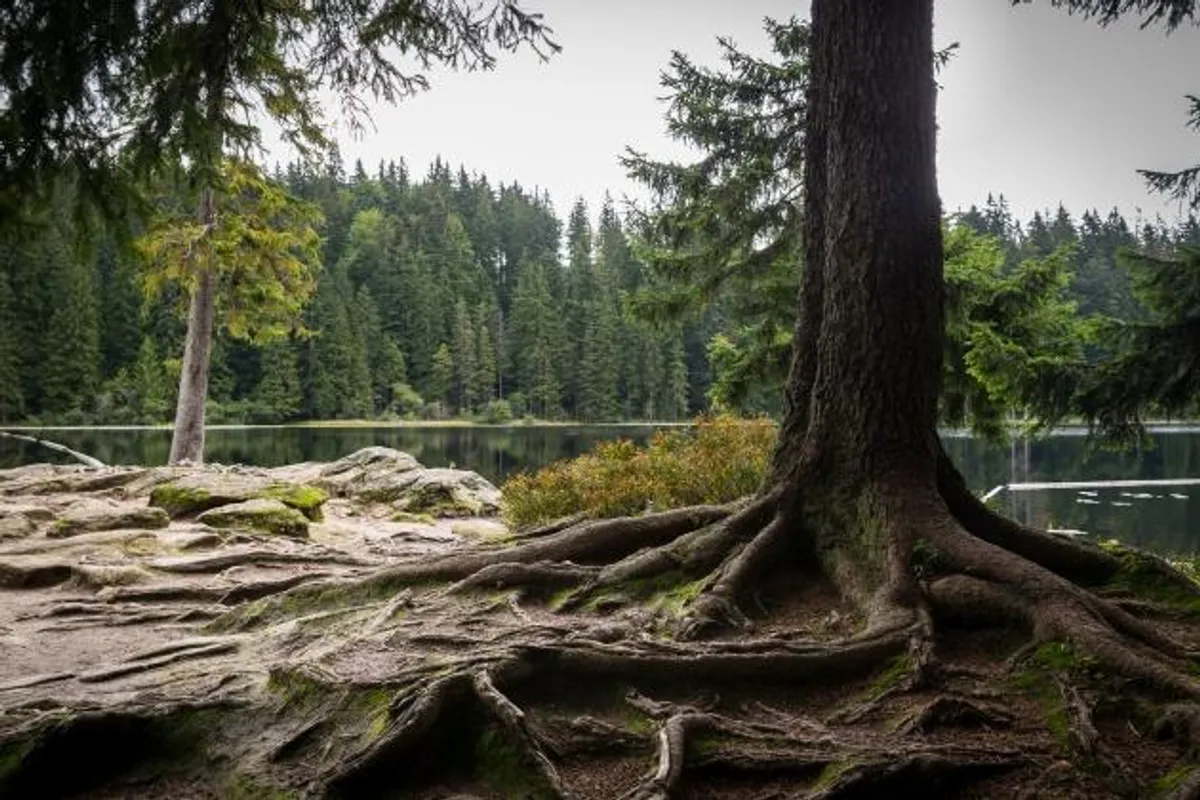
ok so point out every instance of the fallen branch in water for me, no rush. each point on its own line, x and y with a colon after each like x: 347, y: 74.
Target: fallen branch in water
x: 83, y: 458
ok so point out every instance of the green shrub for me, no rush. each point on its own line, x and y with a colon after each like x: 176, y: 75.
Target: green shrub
x: 405, y: 401
x: 497, y: 412
x: 717, y: 460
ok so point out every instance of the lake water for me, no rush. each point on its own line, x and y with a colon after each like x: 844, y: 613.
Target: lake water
x: 1165, y: 519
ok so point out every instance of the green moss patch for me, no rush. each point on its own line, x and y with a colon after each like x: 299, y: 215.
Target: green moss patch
x: 898, y: 670
x: 195, y: 494
x: 264, y: 516
x: 306, y: 499
x: 505, y: 768
x: 309, y: 599
x: 246, y: 787
x: 1171, y: 781
x: 1037, y: 681
x: 181, y: 501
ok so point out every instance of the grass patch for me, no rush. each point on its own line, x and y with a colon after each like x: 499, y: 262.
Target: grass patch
x: 717, y: 460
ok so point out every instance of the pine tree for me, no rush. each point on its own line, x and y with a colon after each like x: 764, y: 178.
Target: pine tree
x: 441, y: 379
x: 485, y: 367
x: 598, y: 360
x: 278, y: 398
x: 534, y: 340
x: 388, y: 374
x: 12, y: 401
x: 464, y: 351
x: 339, y: 381
x: 69, y: 371
x: 120, y: 300
x: 150, y: 384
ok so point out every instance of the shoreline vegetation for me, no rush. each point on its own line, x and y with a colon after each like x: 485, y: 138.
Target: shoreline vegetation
x: 1066, y: 427
x: 372, y: 423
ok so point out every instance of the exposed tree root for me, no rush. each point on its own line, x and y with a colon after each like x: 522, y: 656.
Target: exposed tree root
x: 459, y: 649
x: 936, y: 774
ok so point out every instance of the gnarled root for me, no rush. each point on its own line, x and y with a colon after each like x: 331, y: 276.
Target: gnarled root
x: 463, y: 651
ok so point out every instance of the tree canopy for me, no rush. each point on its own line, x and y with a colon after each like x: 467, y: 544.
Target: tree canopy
x: 107, y: 90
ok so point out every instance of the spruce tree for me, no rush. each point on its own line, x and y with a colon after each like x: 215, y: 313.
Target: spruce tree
x: 69, y: 370
x: 151, y: 386
x: 12, y: 401
x: 535, y: 337
x: 464, y: 351
x: 120, y: 300
x: 278, y: 398
x: 441, y: 378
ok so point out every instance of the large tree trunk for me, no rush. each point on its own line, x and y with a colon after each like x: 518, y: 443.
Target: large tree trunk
x: 862, y: 395
x: 187, y: 440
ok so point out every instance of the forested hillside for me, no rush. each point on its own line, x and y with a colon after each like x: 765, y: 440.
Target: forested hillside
x: 441, y: 295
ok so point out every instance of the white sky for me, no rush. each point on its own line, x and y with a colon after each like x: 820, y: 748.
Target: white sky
x: 1038, y: 105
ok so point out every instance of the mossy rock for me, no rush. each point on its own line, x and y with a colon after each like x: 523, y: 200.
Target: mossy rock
x: 306, y: 499
x: 260, y: 514
x: 202, y: 491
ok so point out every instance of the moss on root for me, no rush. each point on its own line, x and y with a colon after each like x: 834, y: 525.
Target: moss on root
x: 1037, y: 680
x: 831, y: 774
x: 308, y: 600
x: 179, y: 501
x: 246, y: 787
x: 182, y: 501
x: 667, y: 594
x: 504, y: 767
x: 12, y: 756
x: 898, y: 670
x: 1172, y: 781
x: 306, y: 499
x: 1140, y: 574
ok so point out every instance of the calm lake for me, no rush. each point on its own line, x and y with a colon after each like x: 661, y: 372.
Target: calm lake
x: 1161, y: 518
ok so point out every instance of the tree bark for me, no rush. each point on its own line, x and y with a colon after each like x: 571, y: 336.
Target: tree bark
x: 860, y: 424
x: 187, y: 441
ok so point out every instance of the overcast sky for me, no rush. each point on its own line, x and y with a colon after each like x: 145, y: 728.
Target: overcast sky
x: 1038, y: 105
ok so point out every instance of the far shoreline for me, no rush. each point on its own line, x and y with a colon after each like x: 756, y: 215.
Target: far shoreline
x: 364, y: 423
x: 1066, y: 429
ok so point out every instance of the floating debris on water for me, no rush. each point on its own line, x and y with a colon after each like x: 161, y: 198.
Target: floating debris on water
x: 1089, y: 494
x: 1119, y: 503
x: 1087, y: 501
x: 1179, y: 496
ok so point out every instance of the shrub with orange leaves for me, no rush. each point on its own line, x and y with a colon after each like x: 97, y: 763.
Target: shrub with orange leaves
x: 716, y: 460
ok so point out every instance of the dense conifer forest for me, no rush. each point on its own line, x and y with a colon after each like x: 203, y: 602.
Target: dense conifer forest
x: 442, y: 295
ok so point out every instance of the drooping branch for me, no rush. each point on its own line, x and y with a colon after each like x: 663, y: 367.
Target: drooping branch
x: 82, y: 458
